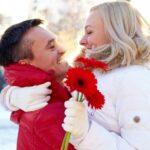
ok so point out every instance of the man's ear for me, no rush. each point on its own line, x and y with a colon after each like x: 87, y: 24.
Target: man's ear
x: 24, y: 61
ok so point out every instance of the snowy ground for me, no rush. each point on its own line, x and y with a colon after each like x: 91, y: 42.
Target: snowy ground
x: 8, y: 131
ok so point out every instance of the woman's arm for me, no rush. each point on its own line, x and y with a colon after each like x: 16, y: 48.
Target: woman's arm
x: 5, y: 99
x: 134, y: 130
x: 25, y: 98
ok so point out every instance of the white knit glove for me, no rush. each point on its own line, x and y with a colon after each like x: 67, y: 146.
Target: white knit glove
x: 27, y: 98
x: 76, y: 120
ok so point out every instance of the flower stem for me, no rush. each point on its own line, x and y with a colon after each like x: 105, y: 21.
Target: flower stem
x: 67, y: 136
x: 80, y: 97
x: 66, y: 141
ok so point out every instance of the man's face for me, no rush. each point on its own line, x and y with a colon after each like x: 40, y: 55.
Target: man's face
x: 46, y: 51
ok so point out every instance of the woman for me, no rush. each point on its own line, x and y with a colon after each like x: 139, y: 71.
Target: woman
x: 114, y: 33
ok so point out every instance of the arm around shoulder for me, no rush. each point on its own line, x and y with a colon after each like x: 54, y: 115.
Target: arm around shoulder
x: 5, y: 98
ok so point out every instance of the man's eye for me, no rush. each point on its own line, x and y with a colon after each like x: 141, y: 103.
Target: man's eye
x: 52, y: 45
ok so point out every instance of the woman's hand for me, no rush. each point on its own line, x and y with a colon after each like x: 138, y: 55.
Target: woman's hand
x: 76, y: 120
x: 28, y: 98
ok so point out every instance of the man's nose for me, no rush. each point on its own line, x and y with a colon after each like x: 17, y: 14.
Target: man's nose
x: 61, y: 50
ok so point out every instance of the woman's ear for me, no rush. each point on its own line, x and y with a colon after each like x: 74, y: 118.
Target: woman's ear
x: 24, y: 61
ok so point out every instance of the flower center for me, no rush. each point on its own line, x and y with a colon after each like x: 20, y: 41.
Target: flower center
x: 80, y: 81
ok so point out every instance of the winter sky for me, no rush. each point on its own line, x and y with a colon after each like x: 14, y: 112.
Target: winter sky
x: 18, y: 9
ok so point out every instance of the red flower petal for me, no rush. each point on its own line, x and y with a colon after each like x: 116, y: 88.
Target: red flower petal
x: 92, y: 63
x: 96, y: 100
x: 81, y: 80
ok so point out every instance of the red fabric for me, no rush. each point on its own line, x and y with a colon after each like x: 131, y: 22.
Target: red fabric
x: 41, y: 129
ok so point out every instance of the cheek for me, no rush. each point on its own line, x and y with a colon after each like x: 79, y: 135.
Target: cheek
x: 101, y: 38
x: 61, y: 69
x: 50, y: 62
x: 46, y: 62
x: 93, y: 40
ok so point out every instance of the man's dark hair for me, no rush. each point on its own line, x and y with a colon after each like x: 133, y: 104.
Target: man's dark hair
x: 12, y: 46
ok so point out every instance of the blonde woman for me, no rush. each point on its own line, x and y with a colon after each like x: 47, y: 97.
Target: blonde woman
x: 114, y: 33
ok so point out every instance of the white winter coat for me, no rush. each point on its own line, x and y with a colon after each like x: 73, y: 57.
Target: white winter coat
x: 124, y: 121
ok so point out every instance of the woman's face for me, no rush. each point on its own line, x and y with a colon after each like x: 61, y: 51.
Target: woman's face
x: 94, y: 35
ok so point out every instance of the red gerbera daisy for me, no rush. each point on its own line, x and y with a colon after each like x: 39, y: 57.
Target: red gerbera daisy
x: 81, y: 80
x: 92, y: 63
x: 96, y: 100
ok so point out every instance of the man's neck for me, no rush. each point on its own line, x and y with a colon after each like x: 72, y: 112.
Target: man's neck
x: 60, y: 80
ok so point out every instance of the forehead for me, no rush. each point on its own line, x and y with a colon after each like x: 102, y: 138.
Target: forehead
x: 94, y: 19
x: 39, y: 33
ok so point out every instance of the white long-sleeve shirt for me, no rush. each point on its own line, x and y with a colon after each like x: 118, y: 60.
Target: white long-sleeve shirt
x: 124, y: 121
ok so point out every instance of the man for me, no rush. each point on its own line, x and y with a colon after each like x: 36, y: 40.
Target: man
x: 47, y: 55
x: 31, y: 56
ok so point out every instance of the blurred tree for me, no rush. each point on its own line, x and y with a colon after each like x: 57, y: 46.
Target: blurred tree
x: 4, y: 22
x: 65, y: 19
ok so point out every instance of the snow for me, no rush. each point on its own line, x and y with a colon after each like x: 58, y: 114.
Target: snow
x: 8, y: 131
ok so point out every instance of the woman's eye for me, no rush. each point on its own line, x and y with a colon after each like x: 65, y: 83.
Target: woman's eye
x: 89, y: 32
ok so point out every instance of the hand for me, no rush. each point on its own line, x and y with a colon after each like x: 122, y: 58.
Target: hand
x: 76, y: 120
x: 29, y: 98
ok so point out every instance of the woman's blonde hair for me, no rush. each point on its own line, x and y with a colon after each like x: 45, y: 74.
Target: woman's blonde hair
x: 125, y: 27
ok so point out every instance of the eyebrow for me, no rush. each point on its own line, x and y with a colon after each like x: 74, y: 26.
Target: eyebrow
x: 88, y: 26
x: 49, y: 42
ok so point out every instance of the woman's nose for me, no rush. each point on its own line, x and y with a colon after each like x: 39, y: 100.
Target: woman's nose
x: 83, y: 41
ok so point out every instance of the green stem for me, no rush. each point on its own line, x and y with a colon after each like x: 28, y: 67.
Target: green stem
x: 80, y: 97
x: 67, y: 136
x: 66, y: 139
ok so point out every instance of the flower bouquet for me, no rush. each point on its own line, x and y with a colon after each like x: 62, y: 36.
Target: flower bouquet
x: 84, y: 82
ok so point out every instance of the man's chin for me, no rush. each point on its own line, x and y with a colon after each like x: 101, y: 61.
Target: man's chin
x: 65, y: 68
x: 64, y: 65
x: 62, y: 69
